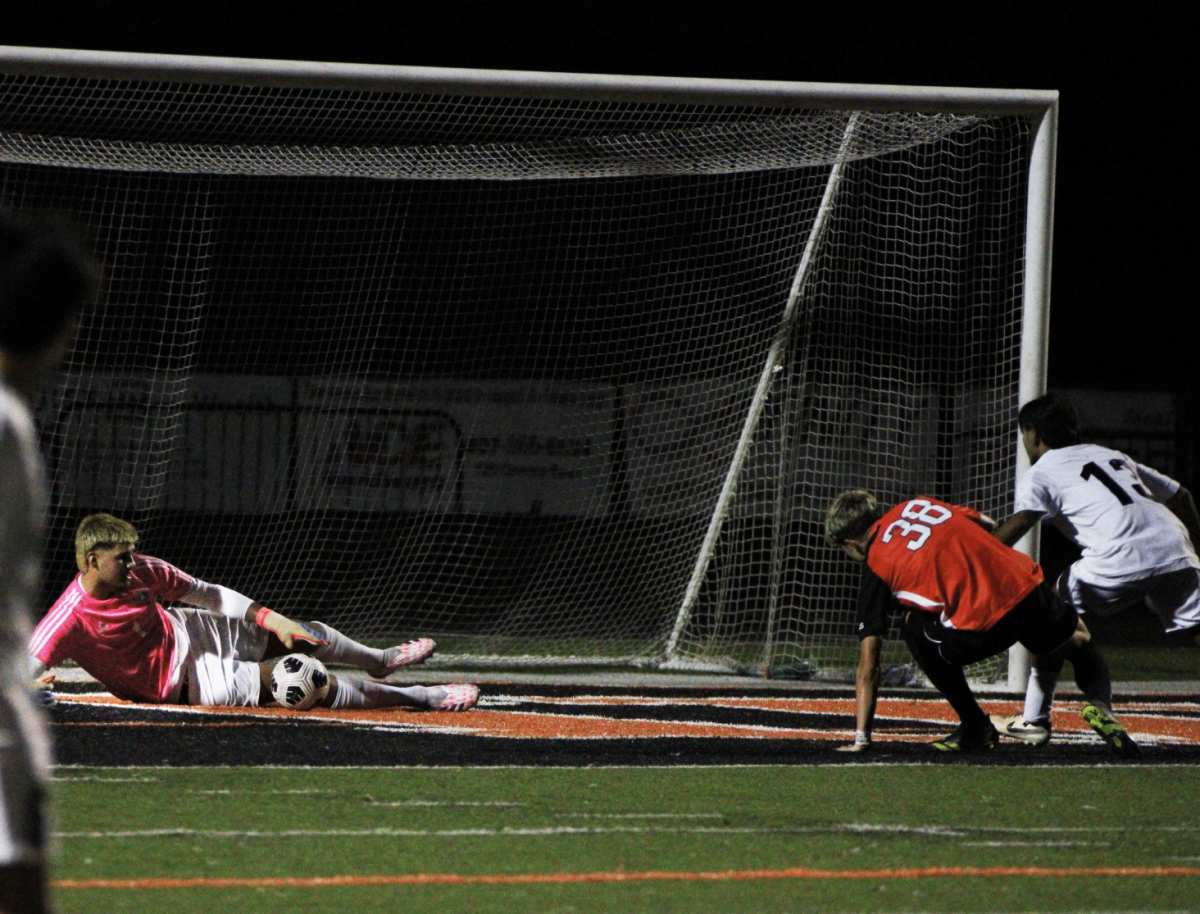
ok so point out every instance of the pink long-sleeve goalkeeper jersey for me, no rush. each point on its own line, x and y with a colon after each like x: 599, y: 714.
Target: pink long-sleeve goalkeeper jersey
x: 127, y: 641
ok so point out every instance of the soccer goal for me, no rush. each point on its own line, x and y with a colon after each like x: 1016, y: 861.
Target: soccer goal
x: 556, y: 368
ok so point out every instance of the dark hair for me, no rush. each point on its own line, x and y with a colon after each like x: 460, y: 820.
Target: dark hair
x: 1054, y: 418
x: 46, y: 275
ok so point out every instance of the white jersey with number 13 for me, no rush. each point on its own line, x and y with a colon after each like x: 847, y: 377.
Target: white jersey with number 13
x: 1112, y: 508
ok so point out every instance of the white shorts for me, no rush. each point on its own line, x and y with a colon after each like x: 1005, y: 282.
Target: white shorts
x: 1173, y: 596
x: 218, y: 657
x: 24, y: 767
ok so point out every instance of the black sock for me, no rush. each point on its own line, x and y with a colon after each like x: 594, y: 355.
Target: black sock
x: 1091, y: 674
x: 947, y: 679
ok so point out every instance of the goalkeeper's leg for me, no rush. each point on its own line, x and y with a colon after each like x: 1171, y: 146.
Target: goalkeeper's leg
x: 347, y: 692
x: 345, y: 650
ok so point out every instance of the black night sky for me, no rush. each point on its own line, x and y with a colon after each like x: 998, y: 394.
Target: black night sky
x: 1123, y: 287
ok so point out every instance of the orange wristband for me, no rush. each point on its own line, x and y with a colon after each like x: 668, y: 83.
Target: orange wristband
x: 260, y: 616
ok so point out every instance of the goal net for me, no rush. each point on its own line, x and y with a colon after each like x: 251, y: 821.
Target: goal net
x: 554, y: 378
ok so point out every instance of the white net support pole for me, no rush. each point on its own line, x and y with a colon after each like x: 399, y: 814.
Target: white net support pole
x: 1035, y: 321
x: 772, y: 366
x: 780, y: 510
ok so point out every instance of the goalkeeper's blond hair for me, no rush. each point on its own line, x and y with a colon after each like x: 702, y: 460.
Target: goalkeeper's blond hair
x: 102, y: 531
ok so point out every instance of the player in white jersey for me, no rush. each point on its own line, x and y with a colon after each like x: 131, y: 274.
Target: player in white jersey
x: 44, y: 280
x: 1136, y: 528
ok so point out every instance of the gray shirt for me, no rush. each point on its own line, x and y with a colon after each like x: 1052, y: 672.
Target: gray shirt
x: 22, y: 510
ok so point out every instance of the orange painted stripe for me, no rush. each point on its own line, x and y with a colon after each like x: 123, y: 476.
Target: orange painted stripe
x: 894, y: 719
x: 151, y: 723
x: 934, y: 872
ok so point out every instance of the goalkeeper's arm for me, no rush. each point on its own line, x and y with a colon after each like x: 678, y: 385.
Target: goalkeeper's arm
x: 218, y: 599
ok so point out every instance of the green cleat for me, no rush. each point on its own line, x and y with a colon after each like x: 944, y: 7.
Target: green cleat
x: 1111, y: 732
x: 978, y: 739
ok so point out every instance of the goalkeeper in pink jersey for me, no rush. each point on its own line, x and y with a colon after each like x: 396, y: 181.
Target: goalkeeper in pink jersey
x: 111, y: 621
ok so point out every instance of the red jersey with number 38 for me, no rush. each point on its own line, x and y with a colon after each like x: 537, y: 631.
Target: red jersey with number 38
x: 936, y: 557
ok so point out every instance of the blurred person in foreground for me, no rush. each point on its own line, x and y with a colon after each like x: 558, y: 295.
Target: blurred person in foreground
x: 46, y: 277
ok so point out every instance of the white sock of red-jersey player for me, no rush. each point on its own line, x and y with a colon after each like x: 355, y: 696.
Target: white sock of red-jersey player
x: 1039, y: 691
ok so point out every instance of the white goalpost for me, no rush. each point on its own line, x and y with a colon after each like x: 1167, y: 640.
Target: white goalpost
x: 560, y: 369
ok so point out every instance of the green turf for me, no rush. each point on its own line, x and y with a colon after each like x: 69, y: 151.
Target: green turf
x: 1161, y: 663
x: 632, y: 820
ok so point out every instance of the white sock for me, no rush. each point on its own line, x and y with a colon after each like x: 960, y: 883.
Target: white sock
x: 341, y: 649
x: 1039, y: 693
x: 354, y: 693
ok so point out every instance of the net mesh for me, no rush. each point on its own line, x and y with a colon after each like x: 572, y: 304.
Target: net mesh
x: 477, y: 368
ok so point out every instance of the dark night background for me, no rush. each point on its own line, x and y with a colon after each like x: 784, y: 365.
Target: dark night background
x: 1123, y: 285
x: 1123, y: 292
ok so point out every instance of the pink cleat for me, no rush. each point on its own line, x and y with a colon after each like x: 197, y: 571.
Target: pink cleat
x: 410, y: 653
x: 458, y: 696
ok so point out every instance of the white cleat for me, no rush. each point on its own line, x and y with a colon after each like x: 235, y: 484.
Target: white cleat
x: 1018, y: 727
x: 410, y: 653
x: 457, y: 696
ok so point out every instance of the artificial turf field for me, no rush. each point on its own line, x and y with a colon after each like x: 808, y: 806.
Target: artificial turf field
x: 590, y: 799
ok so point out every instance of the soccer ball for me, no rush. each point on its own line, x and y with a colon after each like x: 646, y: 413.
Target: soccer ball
x: 298, y: 682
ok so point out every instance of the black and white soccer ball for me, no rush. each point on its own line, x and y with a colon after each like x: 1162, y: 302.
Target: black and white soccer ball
x: 298, y: 682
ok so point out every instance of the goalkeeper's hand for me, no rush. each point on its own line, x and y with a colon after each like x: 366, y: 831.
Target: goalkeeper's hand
x: 43, y: 689
x: 286, y: 630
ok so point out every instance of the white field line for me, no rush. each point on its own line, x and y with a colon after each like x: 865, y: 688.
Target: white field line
x: 456, y: 803
x: 939, y: 831
x: 801, y: 702
x: 1037, y: 844
x: 103, y: 780
x: 309, y: 792
x: 256, y: 793
x: 641, y: 815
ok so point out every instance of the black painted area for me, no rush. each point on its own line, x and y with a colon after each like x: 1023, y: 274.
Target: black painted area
x: 712, y: 714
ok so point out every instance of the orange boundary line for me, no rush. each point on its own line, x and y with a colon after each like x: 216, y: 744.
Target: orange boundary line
x: 649, y: 876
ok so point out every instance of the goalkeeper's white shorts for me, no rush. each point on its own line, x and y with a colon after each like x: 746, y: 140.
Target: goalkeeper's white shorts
x: 217, y: 657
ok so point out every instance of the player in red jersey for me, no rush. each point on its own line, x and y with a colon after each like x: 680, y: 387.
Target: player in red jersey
x: 111, y: 621
x: 965, y: 597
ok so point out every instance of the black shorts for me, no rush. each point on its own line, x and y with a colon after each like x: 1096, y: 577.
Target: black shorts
x: 1042, y: 622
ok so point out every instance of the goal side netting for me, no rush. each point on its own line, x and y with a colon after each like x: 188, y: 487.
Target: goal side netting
x: 552, y: 380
